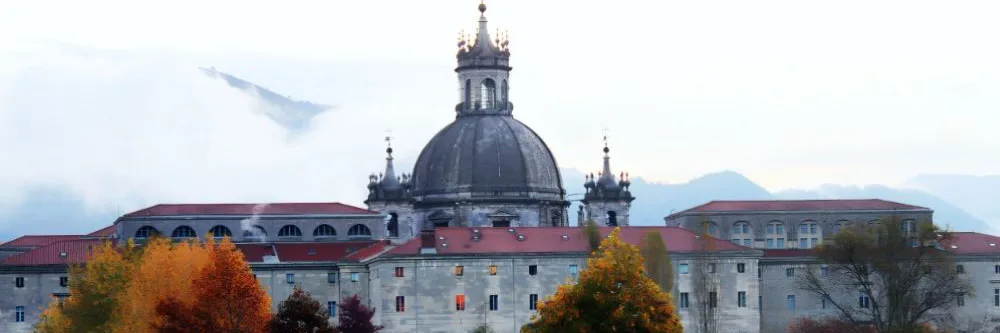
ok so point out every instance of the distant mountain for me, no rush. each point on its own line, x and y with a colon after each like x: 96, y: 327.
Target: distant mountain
x: 979, y: 195
x: 656, y: 200
x: 289, y: 113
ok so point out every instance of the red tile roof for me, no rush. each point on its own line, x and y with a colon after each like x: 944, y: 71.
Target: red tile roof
x: 104, y: 232
x: 303, y: 252
x: 61, y: 252
x: 317, y: 208
x: 38, y: 240
x: 972, y: 243
x: 800, y: 205
x: 784, y: 253
x: 370, y: 251
x: 549, y: 240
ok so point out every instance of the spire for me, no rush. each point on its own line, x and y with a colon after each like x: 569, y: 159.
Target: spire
x: 481, y: 50
x: 389, y: 181
x: 483, y: 35
x: 607, y: 179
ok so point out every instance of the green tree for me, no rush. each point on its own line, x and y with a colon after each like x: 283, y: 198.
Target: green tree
x: 657, y: 262
x: 898, y: 270
x: 611, y: 295
x: 300, y: 313
x: 593, y: 234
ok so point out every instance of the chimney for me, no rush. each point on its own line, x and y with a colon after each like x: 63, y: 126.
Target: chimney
x: 427, y: 243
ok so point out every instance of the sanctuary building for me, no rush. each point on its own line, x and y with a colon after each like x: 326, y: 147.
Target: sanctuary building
x: 479, y: 233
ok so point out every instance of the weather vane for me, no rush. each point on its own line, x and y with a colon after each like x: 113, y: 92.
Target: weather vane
x: 605, y: 136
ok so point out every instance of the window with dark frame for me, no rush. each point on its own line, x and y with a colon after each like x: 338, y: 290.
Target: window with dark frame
x: 460, y: 302
x: 459, y: 270
x: 19, y: 282
x: 713, y: 299
x: 789, y: 272
x: 398, y: 272
x: 331, y: 277
x: 684, y: 301
x: 331, y: 309
x: 741, y: 268
x: 493, y: 269
x: 959, y: 269
x: 18, y: 314
x: 533, y: 270
x: 290, y: 278
x: 400, y: 304
x: 533, y: 302
x: 64, y: 281
x: 494, y: 302
x: 741, y: 299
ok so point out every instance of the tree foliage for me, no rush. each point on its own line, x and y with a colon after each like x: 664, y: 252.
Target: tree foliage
x: 355, y: 317
x: 227, y: 297
x: 167, y: 270
x: 656, y: 261
x: 300, y: 313
x: 95, y: 289
x: 895, y: 266
x: 611, y: 295
x: 828, y: 325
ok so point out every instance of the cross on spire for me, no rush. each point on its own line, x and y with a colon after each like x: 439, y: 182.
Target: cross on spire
x: 388, y: 138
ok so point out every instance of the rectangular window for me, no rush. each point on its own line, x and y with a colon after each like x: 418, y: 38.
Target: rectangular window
x: 355, y: 277
x: 459, y: 270
x: 459, y: 302
x: 781, y: 243
x: 64, y: 281
x: 331, y: 277
x: 803, y: 243
x: 747, y: 242
x: 735, y: 241
x: 533, y: 302
x: 533, y: 270
x: 741, y: 299
x: 19, y: 314
x: 812, y: 228
x: 741, y: 268
x: 824, y: 271
x: 760, y: 273
x: 996, y: 297
x: 493, y: 269
x: 959, y: 269
x: 803, y: 229
x: 789, y: 272
x: 780, y: 229
x: 290, y: 278
x: 573, y: 270
x: 19, y: 282
x: 331, y: 309
x: 996, y: 269
x: 813, y: 242
x: 711, y: 268
x: 770, y: 228
x: 864, y: 302
x: 713, y: 299
x: 770, y: 243
x: 760, y: 304
x: 400, y: 304
x: 494, y: 302
x: 684, y: 302
x: 398, y: 272
x: 790, y: 303
x: 960, y: 300
x: 682, y: 268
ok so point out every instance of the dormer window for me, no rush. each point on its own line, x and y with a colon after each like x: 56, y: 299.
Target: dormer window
x: 488, y: 93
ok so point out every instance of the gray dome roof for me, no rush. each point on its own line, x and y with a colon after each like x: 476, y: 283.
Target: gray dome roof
x: 486, y: 154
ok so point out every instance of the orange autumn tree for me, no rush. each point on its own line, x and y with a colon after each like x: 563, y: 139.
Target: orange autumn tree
x: 227, y: 298
x: 166, y: 270
x: 612, y: 295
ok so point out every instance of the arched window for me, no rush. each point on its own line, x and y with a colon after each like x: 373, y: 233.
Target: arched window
x: 220, y: 231
x: 392, y: 226
x: 359, y: 230
x: 841, y: 226
x: 503, y: 92
x: 183, y: 232
x: 146, y: 232
x: 255, y: 232
x: 810, y: 235
x: 488, y: 93
x: 289, y: 231
x: 709, y: 228
x: 612, y: 218
x: 468, y: 93
x: 324, y: 230
x: 742, y: 233
x: 776, y: 235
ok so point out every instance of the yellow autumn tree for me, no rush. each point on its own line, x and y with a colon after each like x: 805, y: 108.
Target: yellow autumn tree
x: 167, y: 270
x: 611, y: 295
x: 53, y: 320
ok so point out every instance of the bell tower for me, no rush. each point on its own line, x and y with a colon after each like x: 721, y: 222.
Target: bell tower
x: 483, y: 71
x: 390, y: 194
x: 606, y: 200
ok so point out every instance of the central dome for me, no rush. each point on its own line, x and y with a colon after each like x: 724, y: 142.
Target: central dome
x: 483, y: 157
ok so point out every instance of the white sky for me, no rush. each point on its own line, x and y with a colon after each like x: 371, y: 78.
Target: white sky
x: 102, y: 95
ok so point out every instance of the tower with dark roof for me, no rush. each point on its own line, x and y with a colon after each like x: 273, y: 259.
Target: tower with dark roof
x: 390, y: 194
x: 607, y: 201
x: 485, y: 168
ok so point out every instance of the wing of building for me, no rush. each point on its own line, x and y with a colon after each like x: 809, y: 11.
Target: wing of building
x: 478, y: 233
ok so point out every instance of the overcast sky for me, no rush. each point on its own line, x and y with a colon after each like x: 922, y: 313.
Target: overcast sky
x: 103, y: 97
